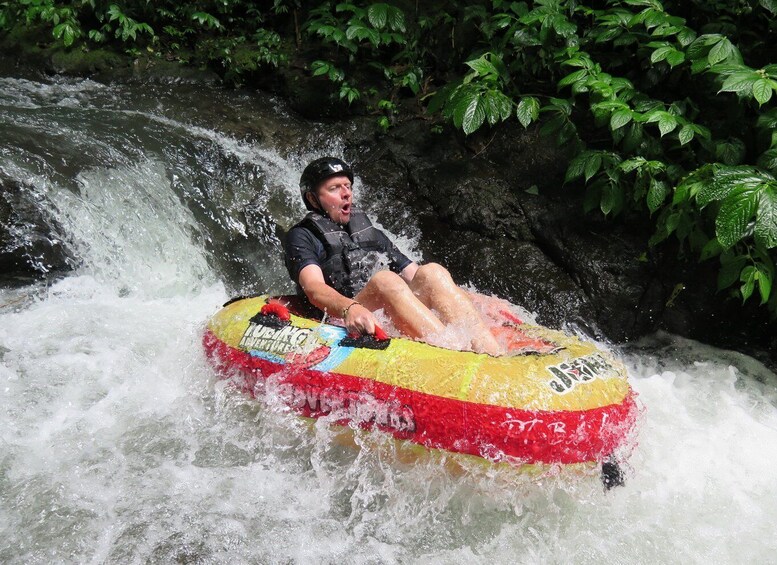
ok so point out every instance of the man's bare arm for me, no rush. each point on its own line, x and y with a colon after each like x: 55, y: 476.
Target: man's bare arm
x: 357, y: 318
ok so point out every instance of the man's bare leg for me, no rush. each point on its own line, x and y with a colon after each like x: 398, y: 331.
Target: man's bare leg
x: 389, y: 291
x: 435, y: 288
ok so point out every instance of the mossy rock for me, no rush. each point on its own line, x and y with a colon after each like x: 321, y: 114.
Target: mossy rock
x: 82, y: 63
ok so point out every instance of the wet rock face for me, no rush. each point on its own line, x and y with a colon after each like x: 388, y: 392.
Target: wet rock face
x: 491, y: 207
x: 28, y: 248
x: 481, y: 217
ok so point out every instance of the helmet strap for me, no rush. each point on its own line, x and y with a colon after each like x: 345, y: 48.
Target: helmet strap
x: 316, y: 202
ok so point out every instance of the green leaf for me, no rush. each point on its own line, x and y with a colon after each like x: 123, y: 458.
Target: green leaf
x: 661, y: 53
x: 685, y: 135
x: 672, y: 221
x: 632, y: 164
x: 396, y: 19
x: 667, y: 123
x: 675, y: 58
x: 657, y: 193
x: 573, y: 77
x: 592, y: 165
x: 460, y: 101
x: 766, y: 218
x: 768, y: 160
x: 699, y: 47
x: 633, y: 137
x: 654, y: 116
x: 205, y: 18
x: 724, y: 182
x: 490, y: 100
x: 576, y: 167
x: 474, y: 115
x: 762, y: 90
x: 347, y: 7
x: 699, y: 66
x: 362, y: 32
x: 320, y: 68
x: 377, y: 14
x: 736, y: 212
x: 731, y: 152
x: 560, y: 105
x: 483, y: 67
x: 740, y: 82
x: 713, y: 248
x: 764, y: 284
x: 65, y: 32
x: 505, y: 106
x: 682, y: 192
x: 611, y: 199
x: 721, y: 51
x: 702, y: 131
x: 114, y: 12
x: 564, y: 27
x: 528, y: 110
x: 730, y: 268
x: 552, y: 126
x: 96, y: 36
x: 620, y: 119
x: 747, y: 277
x: 686, y: 36
x: 770, y: 5
x: 610, y: 106
x: 608, y: 35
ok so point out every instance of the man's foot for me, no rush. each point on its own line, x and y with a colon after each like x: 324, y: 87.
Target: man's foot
x: 487, y: 345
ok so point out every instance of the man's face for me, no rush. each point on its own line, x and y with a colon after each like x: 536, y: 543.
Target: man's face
x: 334, y: 195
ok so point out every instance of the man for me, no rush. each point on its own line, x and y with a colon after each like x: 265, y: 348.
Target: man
x: 349, y: 269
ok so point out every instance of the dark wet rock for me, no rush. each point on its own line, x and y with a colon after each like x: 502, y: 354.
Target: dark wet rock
x: 494, y: 211
x: 312, y: 98
x: 491, y: 207
x: 694, y: 307
x: 29, y: 248
x: 608, y: 262
x: 475, y: 218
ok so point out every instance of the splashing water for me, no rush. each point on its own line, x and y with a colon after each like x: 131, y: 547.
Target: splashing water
x: 117, y: 444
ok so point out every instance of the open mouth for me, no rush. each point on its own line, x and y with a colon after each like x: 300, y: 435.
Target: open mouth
x: 346, y: 209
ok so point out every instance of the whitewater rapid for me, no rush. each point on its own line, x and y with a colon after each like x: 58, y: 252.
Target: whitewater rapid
x: 118, y: 445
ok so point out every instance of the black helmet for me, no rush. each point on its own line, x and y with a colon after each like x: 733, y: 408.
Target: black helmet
x: 320, y: 170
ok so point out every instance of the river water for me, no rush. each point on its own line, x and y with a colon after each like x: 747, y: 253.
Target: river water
x: 118, y: 445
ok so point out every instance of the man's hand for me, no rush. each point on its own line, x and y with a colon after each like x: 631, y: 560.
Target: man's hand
x: 359, y: 320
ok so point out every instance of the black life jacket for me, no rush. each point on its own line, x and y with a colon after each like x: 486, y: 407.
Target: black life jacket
x: 354, y: 252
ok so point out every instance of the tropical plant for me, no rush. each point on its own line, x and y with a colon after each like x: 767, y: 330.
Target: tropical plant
x: 667, y: 108
x: 682, y: 148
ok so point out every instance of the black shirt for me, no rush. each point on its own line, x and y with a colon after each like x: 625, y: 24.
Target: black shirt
x: 303, y: 248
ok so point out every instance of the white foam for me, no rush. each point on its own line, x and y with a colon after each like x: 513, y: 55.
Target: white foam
x: 118, y: 445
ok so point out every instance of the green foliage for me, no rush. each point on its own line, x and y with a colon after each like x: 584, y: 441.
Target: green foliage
x: 670, y: 98
x: 353, y: 27
x: 741, y: 204
x: 372, y: 35
x: 126, y: 27
x: 667, y: 107
x: 230, y: 34
x: 478, y: 98
x: 389, y: 110
x: 62, y: 20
